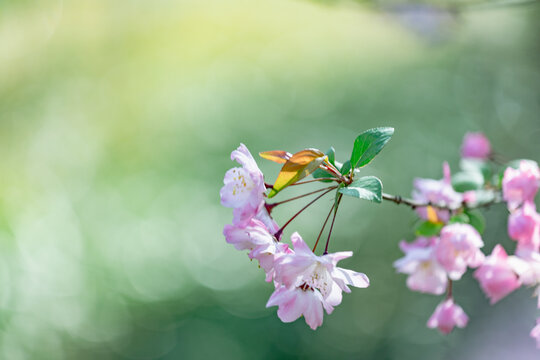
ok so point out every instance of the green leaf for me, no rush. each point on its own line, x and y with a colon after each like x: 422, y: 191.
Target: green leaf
x: 297, y: 167
x: 367, y: 187
x: 331, y: 153
x: 345, y: 168
x: 427, y: 228
x: 368, y: 144
x: 320, y: 173
x: 459, y: 218
x: 465, y: 181
x: 476, y: 165
x: 477, y: 220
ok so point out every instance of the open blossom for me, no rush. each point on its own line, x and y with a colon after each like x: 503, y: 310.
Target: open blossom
x: 496, y: 276
x: 293, y: 303
x: 244, y: 186
x: 459, y: 247
x: 535, y: 333
x: 447, y: 315
x: 520, y: 184
x: 306, y: 277
x: 524, y: 227
x: 425, y: 273
x: 475, y: 145
x: 436, y: 192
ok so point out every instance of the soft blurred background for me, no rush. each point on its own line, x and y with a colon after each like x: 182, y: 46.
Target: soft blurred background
x: 117, y: 119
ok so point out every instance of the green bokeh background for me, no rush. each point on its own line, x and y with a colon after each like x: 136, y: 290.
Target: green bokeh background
x: 117, y: 119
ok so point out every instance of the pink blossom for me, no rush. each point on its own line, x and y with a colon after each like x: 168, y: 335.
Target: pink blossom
x: 244, y: 186
x: 295, y: 302
x: 446, y: 316
x: 527, y: 266
x: 459, y: 247
x: 475, y: 145
x: 425, y: 273
x: 438, y: 192
x: 520, y: 184
x: 256, y: 237
x: 535, y: 333
x: 496, y: 276
x: 305, y: 269
x: 524, y: 227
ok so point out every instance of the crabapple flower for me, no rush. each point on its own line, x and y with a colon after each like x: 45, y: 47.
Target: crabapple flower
x: 447, y: 315
x: 496, y: 276
x: 425, y: 273
x: 524, y: 227
x: 244, y: 186
x: 295, y: 302
x: 304, y: 269
x: 520, y: 184
x: 255, y: 237
x: 459, y: 247
x: 475, y: 145
x: 535, y: 333
x: 438, y: 192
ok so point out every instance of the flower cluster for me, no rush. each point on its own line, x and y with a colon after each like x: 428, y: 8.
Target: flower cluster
x: 305, y: 283
x: 448, y: 235
x: 450, y: 244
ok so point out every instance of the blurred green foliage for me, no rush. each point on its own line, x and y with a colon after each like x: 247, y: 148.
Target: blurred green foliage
x: 116, y: 124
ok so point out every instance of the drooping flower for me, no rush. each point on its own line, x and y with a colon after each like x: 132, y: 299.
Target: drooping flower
x: 459, y: 247
x: 438, y: 192
x: 319, y: 272
x: 295, y: 302
x: 520, y: 185
x: 425, y: 273
x: 256, y: 238
x: 447, y: 315
x: 524, y: 227
x: 244, y: 186
x: 496, y: 276
x: 301, y: 272
x: 475, y: 145
x: 535, y: 333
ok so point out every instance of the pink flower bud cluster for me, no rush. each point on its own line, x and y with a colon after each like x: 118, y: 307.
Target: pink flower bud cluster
x: 432, y: 263
x: 305, y: 284
x: 519, y: 190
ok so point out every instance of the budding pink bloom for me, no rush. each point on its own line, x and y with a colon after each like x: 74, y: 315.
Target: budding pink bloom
x: 524, y: 227
x: 244, y: 187
x: 304, y: 268
x: 496, y: 276
x: 475, y: 145
x: 459, y: 247
x: 446, y: 316
x: 535, y: 333
x: 425, y: 273
x: 438, y: 192
x: 520, y: 184
x: 295, y: 302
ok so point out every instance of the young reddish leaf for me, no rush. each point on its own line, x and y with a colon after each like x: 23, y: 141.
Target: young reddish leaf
x: 278, y: 156
x: 297, y: 167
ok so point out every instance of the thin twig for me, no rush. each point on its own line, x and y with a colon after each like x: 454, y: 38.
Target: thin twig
x: 416, y: 204
x: 280, y: 231
x: 324, y: 225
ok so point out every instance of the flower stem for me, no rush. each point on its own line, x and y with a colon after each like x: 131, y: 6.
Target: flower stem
x: 280, y: 231
x: 332, y: 224
x: 416, y: 204
x: 449, y: 289
x: 297, y: 197
x: 322, y: 229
